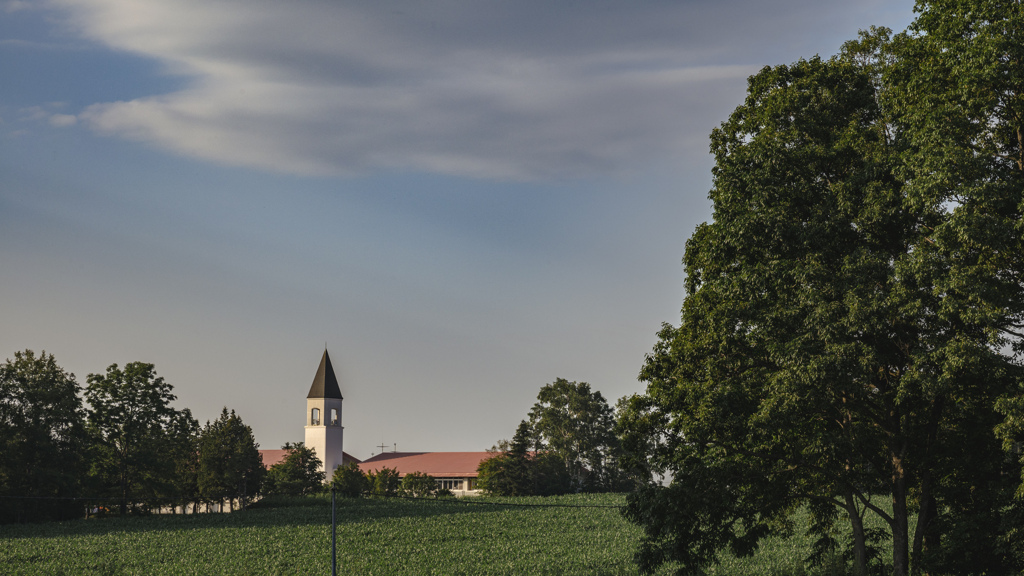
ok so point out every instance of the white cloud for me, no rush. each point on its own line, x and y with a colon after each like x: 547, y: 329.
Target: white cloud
x: 32, y: 113
x: 49, y: 113
x: 522, y: 90
x: 16, y: 6
x: 62, y: 120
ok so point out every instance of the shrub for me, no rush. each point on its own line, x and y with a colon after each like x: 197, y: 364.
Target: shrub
x: 419, y: 485
x: 350, y: 481
x: 383, y: 482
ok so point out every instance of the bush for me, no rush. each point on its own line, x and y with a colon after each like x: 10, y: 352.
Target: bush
x: 298, y: 474
x: 383, y: 482
x: 350, y: 481
x: 419, y: 485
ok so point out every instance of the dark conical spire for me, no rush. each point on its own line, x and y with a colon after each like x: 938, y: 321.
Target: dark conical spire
x: 325, y: 384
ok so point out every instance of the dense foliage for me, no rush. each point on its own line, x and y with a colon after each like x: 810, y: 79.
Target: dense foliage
x: 299, y: 473
x: 576, y: 424
x: 230, y: 466
x: 568, y: 445
x: 510, y: 471
x: 419, y: 485
x: 42, y: 440
x: 134, y: 432
x: 350, y: 481
x: 128, y: 449
x: 384, y: 482
x: 851, y: 328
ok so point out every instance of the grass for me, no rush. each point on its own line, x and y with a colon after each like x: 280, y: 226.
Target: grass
x: 374, y: 537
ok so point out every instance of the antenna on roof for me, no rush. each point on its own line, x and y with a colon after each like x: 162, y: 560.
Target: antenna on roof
x: 396, y: 447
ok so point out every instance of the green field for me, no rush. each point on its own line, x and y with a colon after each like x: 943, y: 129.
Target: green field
x: 374, y: 537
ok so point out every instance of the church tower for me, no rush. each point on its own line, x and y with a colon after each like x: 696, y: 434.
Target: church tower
x: 323, y: 417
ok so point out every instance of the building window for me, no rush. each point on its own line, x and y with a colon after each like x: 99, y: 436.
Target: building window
x: 334, y: 417
x: 449, y: 483
x: 315, y: 418
x: 472, y: 484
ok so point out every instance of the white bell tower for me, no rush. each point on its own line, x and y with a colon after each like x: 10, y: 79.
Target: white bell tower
x: 324, y: 432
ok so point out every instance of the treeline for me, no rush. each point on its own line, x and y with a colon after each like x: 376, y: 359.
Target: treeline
x: 117, y: 444
x: 568, y: 444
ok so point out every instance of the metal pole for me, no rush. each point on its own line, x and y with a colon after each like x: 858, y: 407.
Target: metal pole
x: 334, y: 537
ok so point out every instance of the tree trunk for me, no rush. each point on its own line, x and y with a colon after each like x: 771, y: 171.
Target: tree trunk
x: 925, y: 534
x: 860, y: 551
x: 124, y: 493
x: 925, y: 516
x: 900, y: 530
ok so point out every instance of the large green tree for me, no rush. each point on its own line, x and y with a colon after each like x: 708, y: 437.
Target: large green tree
x: 41, y: 439
x: 956, y: 87
x: 759, y: 385
x: 184, y: 440
x: 136, y: 434
x: 576, y: 424
x: 515, y: 470
x: 230, y: 466
x: 824, y: 357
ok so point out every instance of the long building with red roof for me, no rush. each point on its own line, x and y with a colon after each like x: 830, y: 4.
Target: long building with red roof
x: 455, y: 471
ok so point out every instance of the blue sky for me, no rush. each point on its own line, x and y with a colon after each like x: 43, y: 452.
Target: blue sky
x: 463, y: 200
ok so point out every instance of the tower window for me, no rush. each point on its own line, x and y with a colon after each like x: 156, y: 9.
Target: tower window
x: 315, y: 418
x: 334, y: 416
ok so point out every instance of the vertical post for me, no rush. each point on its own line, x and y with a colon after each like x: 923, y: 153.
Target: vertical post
x: 334, y: 537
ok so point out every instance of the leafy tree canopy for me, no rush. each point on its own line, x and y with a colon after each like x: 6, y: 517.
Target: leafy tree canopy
x: 230, y: 466
x: 849, y: 309
x: 568, y: 445
x: 298, y: 474
x: 419, y: 485
x: 349, y: 480
x: 576, y: 424
x: 509, y: 472
x: 384, y: 482
x: 133, y: 425
x: 42, y: 440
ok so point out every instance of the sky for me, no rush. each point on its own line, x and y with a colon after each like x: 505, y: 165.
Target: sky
x: 462, y: 201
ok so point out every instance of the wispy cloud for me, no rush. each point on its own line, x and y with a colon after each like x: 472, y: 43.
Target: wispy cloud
x: 63, y: 120
x: 16, y: 6
x: 36, y: 45
x: 33, y: 113
x: 525, y: 90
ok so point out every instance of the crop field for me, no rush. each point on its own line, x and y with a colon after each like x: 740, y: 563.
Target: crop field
x: 481, y: 536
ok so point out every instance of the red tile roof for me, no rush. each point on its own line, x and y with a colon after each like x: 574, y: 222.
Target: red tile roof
x: 436, y: 464
x: 271, y: 457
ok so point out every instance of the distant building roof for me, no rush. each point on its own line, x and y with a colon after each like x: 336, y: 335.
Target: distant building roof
x: 325, y: 383
x: 436, y: 464
x: 271, y: 457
